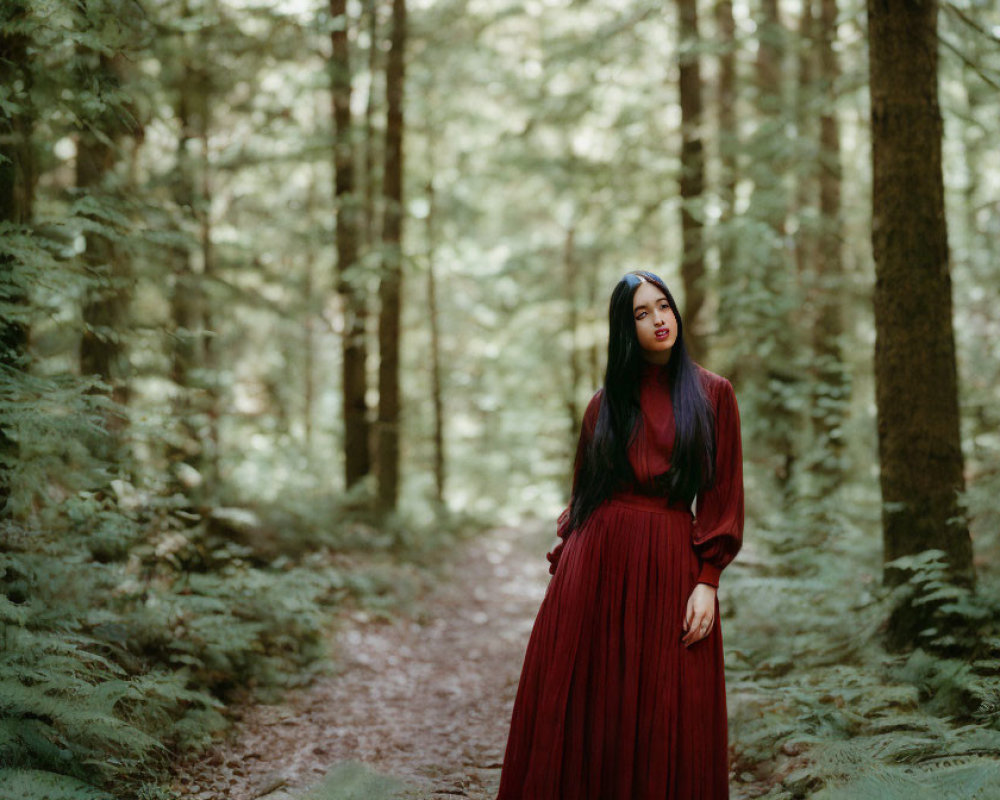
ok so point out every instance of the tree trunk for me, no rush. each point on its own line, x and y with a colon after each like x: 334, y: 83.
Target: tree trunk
x: 692, y: 180
x: 772, y: 354
x: 350, y: 287
x: 17, y: 183
x: 728, y: 140
x: 105, y: 308
x: 916, y: 381
x: 209, y: 401
x: 309, y: 356
x: 805, y: 172
x: 437, y: 398
x: 390, y: 286
x: 187, y: 300
x: 105, y: 312
x: 17, y: 168
x: 371, y: 148
x: 832, y: 382
x: 371, y: 174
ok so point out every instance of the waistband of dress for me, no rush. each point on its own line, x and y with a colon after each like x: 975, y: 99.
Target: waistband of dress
x: 649, y: 502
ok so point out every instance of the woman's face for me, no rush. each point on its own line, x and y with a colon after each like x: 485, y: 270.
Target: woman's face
x: 655, y: 323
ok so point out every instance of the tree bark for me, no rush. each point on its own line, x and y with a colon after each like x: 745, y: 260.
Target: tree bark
x: 832, y: 388
x: 692, y: 180
x: 17, y: 184
x: 770, y: 268
x: 350, y: 287
x: 728, y: 143
x: 17, y: 171
x: 187, y: 296
x: 371, y: 145
x: 916, y: 381
x: 805, y: 171
x: 371, y: 171
x: 437, y: 391
x: 105, y: 309
x: 390, y: 286
x: 210, y: 343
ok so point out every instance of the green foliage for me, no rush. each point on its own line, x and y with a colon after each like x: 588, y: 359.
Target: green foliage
x: 127, y: 619
x: 233, y: 625
x: 139, y: 593
x: 352, y: 780
x: 31, y: 784
x: 908, y: 765
x: 60, y: 695
x: 957, y: 617
x: 819, y: 709
x: 132, y: 607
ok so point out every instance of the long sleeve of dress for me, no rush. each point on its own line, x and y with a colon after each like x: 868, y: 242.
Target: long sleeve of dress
x: 586, y: 434
x: 718, y: 525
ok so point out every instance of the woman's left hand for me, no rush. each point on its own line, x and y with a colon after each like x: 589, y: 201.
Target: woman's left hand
x: 700, y: 615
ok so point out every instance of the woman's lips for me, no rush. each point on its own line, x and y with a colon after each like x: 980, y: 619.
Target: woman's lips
x: 663, y: 334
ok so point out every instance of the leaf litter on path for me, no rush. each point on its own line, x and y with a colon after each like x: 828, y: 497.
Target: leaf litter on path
x: 417, y: 707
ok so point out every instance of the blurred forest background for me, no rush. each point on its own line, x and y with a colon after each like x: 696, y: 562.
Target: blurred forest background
x: 297, y: 295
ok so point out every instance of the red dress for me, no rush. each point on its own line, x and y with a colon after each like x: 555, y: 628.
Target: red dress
x: 610, y: 704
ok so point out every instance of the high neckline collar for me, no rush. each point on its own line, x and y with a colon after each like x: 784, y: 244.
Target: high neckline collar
x: 652, y: 373
x: 652, y: 366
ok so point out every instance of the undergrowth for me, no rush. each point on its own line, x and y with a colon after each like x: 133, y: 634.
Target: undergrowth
x: 818, y: 705
x: 129, y: 620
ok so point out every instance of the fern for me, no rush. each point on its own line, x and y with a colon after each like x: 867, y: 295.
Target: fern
x: 905, y: 768
x: 29, y: 784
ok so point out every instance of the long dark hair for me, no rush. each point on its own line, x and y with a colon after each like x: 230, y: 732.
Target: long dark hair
x: 605, y: 466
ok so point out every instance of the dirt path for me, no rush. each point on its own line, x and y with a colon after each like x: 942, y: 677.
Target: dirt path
x: 426, y: 698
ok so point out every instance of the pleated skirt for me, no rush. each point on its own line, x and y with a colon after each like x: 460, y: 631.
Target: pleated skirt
x: 610, y: 704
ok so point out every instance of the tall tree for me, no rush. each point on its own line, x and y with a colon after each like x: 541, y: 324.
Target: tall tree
x: 831, y: 385
x: 768, y: 356
x: 916, y: 382
x: 728, y: 146
x: 390, y: 286
x: 350, y: 287
x: 17, y: 188
x: 437, y: 389
x: 692, y: 179
x: 371, y: 145
x: 209, y: 401
x: 188, y: 300
x: 805, y: 172
x: 105, y: 309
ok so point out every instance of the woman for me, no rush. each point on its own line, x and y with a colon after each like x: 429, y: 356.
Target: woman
x: 622, y: 694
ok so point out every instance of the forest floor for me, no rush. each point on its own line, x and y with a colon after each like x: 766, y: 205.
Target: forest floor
x: 425, y: 697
